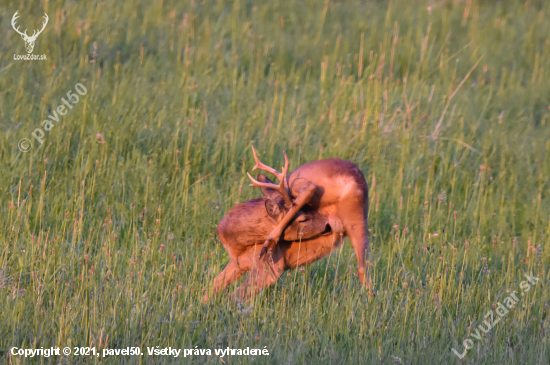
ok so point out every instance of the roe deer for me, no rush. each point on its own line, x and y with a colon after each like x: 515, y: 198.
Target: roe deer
x: 335, y: 188
x: 246, y: 226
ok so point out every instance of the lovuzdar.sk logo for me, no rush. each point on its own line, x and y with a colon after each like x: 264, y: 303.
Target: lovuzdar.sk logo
x: 29, y: 40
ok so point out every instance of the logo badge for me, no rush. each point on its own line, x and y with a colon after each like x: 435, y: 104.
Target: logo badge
x: 29, y: 40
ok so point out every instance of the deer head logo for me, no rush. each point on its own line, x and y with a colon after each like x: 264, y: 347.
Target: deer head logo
x: 29, y: 41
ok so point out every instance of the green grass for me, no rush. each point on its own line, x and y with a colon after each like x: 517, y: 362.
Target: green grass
x: 445, y: 110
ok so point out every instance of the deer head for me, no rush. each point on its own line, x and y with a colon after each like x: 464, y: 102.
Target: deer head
x: 270, y: 186
x: 29, y: 41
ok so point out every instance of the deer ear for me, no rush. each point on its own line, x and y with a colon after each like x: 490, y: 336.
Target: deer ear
x: 269, y: 193
x: 273, y: 209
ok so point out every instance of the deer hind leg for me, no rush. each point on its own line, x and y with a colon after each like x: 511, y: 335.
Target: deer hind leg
x: 353, y: 211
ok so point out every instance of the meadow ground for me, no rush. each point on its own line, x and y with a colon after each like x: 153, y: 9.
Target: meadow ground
x: 108, y: 227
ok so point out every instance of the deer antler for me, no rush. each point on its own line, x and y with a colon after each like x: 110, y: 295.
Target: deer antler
x: 13, y: 25
x: 280, y: 176
x: 34, y: 35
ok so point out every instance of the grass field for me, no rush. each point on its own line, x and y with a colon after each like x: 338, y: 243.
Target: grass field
x: 107, y: 229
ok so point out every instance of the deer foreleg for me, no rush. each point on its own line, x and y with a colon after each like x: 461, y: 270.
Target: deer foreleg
x: 305, y: 192
x: 229, y: 275
x: 263, y: 274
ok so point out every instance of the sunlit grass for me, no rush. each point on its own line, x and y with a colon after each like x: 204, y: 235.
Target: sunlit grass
x: 109, y: 241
